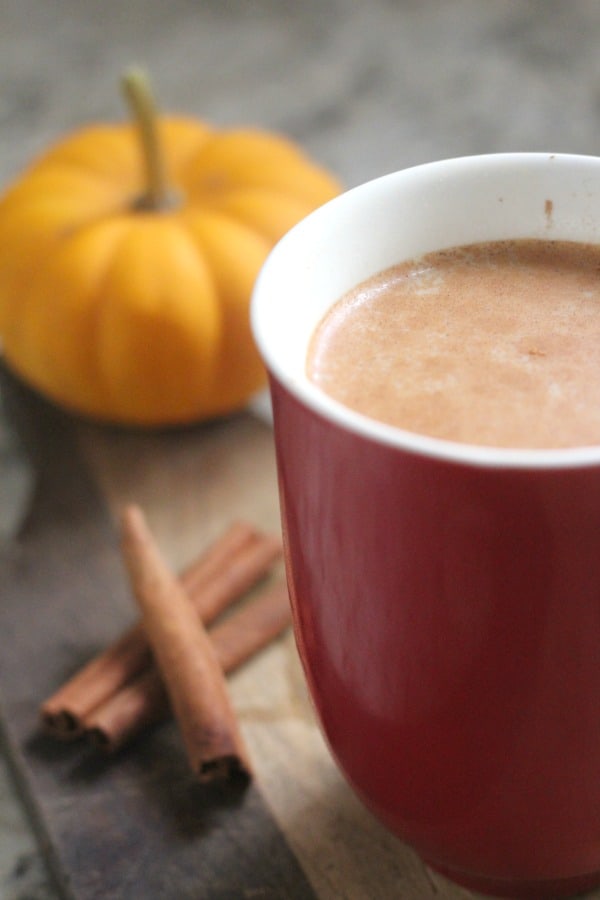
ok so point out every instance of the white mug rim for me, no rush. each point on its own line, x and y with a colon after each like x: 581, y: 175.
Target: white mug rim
x: 325, y: 406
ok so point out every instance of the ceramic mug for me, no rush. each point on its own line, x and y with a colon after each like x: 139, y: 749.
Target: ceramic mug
x: 446, y: 597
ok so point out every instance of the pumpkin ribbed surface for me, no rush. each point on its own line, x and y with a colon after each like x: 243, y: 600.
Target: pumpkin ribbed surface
x: 138, y: 315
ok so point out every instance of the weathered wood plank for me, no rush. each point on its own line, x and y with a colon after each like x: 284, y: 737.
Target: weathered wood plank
x: 137, y: 825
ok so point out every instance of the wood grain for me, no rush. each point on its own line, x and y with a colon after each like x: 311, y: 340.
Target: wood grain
x: 138, y: 825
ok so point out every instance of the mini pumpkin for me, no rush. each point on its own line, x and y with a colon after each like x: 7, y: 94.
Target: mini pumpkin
x: 126, y: 276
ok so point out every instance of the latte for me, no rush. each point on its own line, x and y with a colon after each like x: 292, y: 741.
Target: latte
x: 494, y: 344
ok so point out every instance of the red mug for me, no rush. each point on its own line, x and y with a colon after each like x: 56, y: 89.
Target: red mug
x: 446, y: 597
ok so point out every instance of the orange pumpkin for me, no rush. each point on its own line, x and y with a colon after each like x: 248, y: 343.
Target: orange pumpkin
x: 125, y: 277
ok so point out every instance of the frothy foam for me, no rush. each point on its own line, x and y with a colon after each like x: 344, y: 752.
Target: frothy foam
x: 496, y: 344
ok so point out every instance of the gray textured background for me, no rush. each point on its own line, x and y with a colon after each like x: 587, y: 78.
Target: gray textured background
x: 367, y: 87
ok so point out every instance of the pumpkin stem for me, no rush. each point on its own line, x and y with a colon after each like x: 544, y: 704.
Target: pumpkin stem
x: 138, y: 95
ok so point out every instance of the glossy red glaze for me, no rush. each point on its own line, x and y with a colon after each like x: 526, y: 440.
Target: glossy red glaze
x: 448, y: 620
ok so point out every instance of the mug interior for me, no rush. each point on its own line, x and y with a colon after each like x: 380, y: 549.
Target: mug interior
x: 404, y: 215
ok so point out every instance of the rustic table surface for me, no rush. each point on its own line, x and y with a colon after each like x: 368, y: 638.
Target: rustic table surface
x: 367, y: 87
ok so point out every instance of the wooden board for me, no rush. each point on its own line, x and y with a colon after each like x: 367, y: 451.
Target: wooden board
x: 138, y: 825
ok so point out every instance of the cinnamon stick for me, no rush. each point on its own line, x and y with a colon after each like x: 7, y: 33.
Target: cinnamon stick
x: 226, y: 570
x: 144, y: 701
x: 191, y: 673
